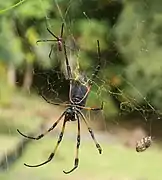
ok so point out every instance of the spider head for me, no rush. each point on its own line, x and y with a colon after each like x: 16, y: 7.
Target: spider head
x: 70, y: 114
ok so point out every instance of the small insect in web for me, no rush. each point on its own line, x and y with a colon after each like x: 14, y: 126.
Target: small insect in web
x: 58, y: 39
x: 78, y: 94
x: 143, y: 144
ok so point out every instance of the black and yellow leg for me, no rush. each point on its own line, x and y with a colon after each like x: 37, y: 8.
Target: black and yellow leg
x: 43, y: 134
x: 54, y: 152
x: 91, y: 132
x: 91, y: 108
x: 67, y: 104
x: 76, y: 162
x: 69, y: 73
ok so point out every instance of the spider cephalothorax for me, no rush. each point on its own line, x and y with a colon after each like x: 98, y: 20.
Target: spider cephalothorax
x: 70, y: 114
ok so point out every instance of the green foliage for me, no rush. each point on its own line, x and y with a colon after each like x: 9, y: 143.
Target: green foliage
x: 32, y: 9
x: 6, y: 94
x: 12, y: 43
x: 138, y: 34
x: 7, y: 5
x: 90, y: 31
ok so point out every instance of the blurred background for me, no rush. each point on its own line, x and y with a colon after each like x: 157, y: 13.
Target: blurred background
x: 129, y: 84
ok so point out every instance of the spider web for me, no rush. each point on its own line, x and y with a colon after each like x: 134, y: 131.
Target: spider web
x: 55, y: 86
x: 102, y: 88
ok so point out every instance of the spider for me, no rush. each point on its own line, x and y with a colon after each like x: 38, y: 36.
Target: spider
x: 143, y: 144
x: 58, y: 39
x: 78, y: 93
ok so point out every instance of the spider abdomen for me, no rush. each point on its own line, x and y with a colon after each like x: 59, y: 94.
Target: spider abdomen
x: 79, y: 93
x: 143, y: 144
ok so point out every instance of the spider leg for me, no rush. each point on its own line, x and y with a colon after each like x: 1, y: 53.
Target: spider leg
x: 76, y: 162
x: 91, y: 108
x: 52, y: 34
x: 86, y: 94
x: 53, y: 103
x: 62, y: 30
x: 67, y: 63
x: 68, y: 71
x: 83, y: 107
x: 51, y: 51
x: 43, y: 134
x: 55, y: 149
x: 90, y: 82
x: 99, y: 64
x: 45, y: 40
x: 91, y: 132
